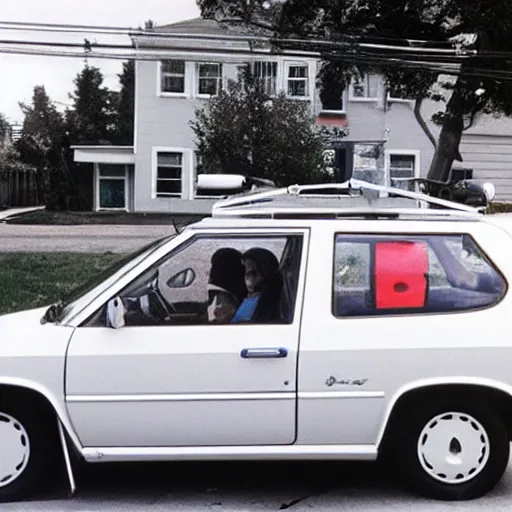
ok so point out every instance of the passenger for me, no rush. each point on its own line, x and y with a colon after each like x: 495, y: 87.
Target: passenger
x: 264, y: 284
x: 226, y: 285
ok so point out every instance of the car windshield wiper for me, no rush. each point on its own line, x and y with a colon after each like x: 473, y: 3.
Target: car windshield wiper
x: 52, y: 314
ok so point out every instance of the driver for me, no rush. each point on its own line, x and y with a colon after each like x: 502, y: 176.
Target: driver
x: 226, y: 285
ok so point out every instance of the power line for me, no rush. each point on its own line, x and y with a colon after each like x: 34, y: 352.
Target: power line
x: 59, y: 44
x: 82, y: 55
x: 374, y: 46
x: 21, y: 25
x: 411, y: 52
x: 426, y: 66
x: 449, y: 59
x: 151, y: 56
x: 54, y: 27
x: 333, y: 46
x: 67, y: 31
x: 430, y: 59
x: 113, y: 30
x: 162, y: 52
x: 295, y: 44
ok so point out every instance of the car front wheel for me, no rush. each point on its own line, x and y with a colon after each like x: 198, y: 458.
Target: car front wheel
x: 454, y: 451
x: 24, y: 453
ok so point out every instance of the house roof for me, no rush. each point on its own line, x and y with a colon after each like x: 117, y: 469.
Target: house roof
x: 201, y: 26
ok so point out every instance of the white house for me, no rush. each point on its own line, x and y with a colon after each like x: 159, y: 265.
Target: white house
x: 157, y: 173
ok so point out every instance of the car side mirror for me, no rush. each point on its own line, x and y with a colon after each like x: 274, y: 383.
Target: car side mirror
x: 115, y: 313
x: 183, y: 279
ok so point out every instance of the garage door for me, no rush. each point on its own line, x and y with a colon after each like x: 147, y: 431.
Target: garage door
x: 490, y: 156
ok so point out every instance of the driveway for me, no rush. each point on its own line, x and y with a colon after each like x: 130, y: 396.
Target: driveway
x: 81, y: 238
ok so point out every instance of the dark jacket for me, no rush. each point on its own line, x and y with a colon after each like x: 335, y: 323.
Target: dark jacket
x: 268, y: 310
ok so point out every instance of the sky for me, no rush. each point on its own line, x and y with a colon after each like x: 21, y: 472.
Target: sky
x: 20, y: 73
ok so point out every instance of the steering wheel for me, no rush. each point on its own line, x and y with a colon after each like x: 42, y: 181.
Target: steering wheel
x: 159, y: 309
x: 167, y: 307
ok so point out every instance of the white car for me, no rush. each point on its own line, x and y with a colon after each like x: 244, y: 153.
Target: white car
x: 364, y: 325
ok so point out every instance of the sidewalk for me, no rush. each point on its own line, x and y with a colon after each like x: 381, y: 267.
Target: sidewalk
x: 84, y: 238
x: 12, y: 212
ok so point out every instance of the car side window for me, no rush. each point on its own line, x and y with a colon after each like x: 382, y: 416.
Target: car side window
x: 218, y: 280
x: 412, y: 274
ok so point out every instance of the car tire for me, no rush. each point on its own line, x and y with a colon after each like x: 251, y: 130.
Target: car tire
x: 26, y: 448
x: 453, y: 449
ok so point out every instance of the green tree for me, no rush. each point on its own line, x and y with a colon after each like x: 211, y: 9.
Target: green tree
x: 126, y: 105
x: 336, y: 28
x: 244, y: 131
x: 41, y: 147
x: 92, y: 118
x: 4, y: 128
x: 9, y: 157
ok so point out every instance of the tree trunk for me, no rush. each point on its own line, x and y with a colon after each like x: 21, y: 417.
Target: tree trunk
x: 449, y: 139
x: 459, y: 105
x: 417, y: 113
x: 446, y: 153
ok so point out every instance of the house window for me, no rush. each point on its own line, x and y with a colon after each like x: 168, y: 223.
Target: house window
x: 173, y: 76
x: 376, y: 275
x: 169, y: 174
x: 266, y: 72
x: 364, y: 87
x: 298, y: 81
x: 209, y: 79
x: 331, y: 96
x: 398, y: 92
x: 402, y: 167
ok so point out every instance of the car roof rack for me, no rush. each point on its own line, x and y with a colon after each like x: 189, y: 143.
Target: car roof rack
x: 353, y: 198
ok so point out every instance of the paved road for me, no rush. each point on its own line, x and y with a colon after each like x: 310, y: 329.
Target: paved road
x: 95, y: 238
x: 84, y: 238
x: 322, y: 487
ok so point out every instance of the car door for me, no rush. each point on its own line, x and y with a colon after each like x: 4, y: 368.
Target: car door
x: 396, y: 309
x: 189, y: 384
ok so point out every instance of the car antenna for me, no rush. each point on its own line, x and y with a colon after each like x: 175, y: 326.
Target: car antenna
x: 175, y: 225
x: 177, y: 230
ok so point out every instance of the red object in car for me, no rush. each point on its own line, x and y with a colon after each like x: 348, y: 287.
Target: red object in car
x: 400, y: 274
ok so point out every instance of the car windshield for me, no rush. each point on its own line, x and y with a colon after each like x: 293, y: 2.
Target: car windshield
x: 119, y: 267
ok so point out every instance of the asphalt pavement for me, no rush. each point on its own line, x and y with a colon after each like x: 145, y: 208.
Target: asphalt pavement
x: 97, y: 238
x: 79, y: 238
x: 240, y: 487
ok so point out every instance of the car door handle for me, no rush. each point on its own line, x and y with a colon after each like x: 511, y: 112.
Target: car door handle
x: 263, y: 353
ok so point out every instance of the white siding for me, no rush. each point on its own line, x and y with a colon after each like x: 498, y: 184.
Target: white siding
x: 490, y: 157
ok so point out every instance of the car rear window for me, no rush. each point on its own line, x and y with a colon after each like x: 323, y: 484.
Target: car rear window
x: 412, y: 274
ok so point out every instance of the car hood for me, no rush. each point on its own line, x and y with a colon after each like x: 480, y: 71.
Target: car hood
x: 29, y: 318
x: 32, y: 355
x: 22, y: 334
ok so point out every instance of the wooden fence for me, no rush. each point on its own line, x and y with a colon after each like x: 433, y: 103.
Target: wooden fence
x: 19, y: 188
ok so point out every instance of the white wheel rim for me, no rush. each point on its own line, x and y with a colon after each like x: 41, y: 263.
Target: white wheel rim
x: 453, y: 448
x: 14, y: 449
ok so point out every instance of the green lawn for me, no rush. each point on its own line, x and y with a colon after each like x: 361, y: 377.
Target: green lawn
x: 64, y: 218
x: 499, y: 207
x: 36, y: 279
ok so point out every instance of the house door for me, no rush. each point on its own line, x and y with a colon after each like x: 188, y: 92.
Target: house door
x: 112, y: 187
